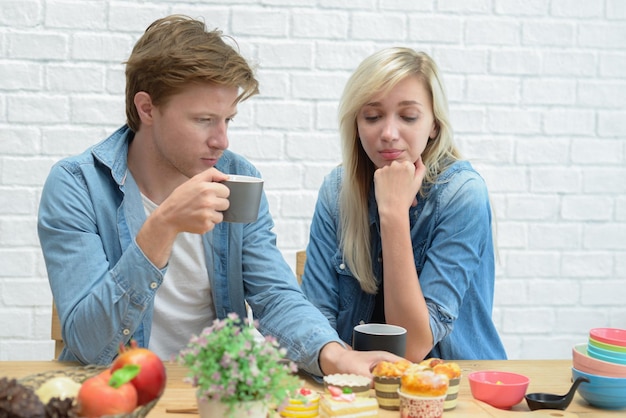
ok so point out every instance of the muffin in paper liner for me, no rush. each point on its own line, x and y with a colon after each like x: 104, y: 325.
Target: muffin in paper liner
x: 421, y: 406
x: 387, y: 392
x: 387, y: 376
x: 453, y: 371
x: 452, y: 395
x: 424, y: 383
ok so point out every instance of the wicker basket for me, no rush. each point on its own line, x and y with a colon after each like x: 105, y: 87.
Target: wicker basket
x: 80, y: 374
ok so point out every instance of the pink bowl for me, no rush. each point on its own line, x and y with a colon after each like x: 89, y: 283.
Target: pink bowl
x: 499, y: 389
x: 613, y: 336
x: 582, y: 361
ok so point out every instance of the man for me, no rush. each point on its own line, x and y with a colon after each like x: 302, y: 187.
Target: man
x: 132, y: 232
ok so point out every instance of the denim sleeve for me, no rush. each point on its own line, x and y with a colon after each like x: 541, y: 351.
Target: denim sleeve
x: 276, y: 299
x: 460, y: 254
x: 101, y: 290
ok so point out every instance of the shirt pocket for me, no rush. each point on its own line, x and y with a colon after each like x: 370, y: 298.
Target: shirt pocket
x: 347, y: 283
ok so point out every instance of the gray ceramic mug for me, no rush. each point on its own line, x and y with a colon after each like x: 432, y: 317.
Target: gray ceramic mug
x: 385, y: 337
x: 245, y: 198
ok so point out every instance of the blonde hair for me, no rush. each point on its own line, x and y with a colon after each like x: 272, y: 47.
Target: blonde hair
x: 378, y: 73
x: 177, y: 51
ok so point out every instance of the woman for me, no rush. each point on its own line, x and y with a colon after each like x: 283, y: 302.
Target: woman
x: 402, y: 229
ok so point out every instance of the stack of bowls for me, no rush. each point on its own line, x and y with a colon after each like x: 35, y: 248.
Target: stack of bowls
x: 603, y: 361
x: 608, y: 344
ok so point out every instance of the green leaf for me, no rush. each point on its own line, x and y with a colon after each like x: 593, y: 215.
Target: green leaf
x: 124, y: 375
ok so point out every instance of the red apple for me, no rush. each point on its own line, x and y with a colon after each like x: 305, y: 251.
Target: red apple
x: 106, y: 394
x: 151, y: 380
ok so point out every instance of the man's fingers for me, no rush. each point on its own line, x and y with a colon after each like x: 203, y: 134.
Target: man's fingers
x: 211, y: 174
x: 211, y: 182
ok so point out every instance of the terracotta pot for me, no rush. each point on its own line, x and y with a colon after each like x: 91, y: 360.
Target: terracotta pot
x: 209, y: 408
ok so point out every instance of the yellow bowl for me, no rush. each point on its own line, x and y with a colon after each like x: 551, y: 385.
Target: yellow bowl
x: 606, y: 346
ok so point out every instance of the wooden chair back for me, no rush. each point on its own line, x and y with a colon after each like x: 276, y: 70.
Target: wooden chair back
x: 300, y: 260
x: 55, y: 332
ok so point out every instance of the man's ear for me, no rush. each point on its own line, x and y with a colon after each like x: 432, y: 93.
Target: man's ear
x: 144, y: 106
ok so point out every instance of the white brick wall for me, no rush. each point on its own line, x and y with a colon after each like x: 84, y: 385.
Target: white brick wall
x: 538, y: 99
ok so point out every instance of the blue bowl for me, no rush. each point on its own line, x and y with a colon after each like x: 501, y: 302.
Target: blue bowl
x: 602, y: 392
x: 606, y: 355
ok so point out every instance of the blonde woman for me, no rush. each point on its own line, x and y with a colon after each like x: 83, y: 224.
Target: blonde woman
x: 402, y: 229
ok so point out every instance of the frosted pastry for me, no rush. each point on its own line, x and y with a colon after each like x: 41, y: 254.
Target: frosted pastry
x: 342, y: 403
x: 359, y: 385
x: 304, y: 404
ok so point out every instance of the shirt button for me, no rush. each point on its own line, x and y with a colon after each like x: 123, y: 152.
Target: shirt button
x: 342, y: 266
x: 153, y: 285
x: 126, y: 331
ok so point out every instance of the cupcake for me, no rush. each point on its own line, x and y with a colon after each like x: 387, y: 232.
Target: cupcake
x: 431, y: 362
x: 422, y: 393
x: 387, y: 382
x: 391, y: 369
x: 425, y: 383
x: 453, y: 371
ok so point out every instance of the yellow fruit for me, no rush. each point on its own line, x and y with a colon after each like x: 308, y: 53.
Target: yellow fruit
x: 57, y: 387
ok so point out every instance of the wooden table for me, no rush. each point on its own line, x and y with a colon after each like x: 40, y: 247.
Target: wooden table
x: 553, y: 376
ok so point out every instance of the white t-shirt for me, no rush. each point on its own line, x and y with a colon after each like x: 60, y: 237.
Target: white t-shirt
x: 183, y: 305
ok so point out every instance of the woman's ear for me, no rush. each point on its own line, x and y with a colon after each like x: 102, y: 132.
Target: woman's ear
x: 144, y: 106
x: 434, y: 131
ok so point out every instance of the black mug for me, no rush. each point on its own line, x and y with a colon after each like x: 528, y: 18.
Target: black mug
x: 385, y: 337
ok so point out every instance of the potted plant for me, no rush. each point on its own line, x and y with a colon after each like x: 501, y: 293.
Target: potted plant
x: 233, y: 367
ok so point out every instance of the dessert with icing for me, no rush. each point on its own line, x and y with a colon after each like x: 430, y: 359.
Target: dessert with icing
x: 344, y: 403
x: 359, y: 385
x: 303, y: 404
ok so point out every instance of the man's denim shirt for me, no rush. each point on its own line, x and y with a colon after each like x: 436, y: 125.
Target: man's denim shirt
x: 454, y: 257
x: 104, y: 286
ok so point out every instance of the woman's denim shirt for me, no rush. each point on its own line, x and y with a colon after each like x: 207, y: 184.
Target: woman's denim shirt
x: 454, y: 258
x: 104, y: 286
